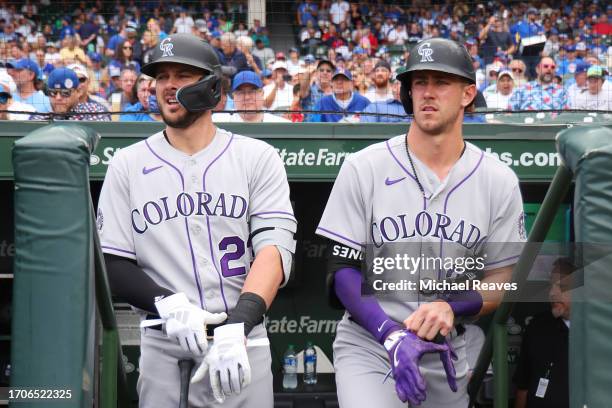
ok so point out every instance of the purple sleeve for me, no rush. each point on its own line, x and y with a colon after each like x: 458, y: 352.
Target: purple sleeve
x: 465, y: 303
x: 364, y: 310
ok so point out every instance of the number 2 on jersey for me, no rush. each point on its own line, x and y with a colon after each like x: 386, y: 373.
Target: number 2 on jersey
x: 231, y: 255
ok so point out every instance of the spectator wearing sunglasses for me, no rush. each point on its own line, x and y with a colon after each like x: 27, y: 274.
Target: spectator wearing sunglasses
x: 519, y: 72
x: 541, y: 94
x: 8, y: 104
x: 124, y: 56
x: 85, y: 87
x: 62, y: 88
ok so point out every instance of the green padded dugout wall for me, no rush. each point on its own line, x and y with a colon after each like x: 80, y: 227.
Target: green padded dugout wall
x: 587, y: 151
x: 53, y: 293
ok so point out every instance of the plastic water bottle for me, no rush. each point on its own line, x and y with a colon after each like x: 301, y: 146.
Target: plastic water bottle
x: 290, y: 369
x: 310, y: 364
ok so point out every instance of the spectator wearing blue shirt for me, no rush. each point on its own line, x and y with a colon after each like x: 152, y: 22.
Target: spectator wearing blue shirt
x: 342, y: 100
x: 310, y: 95
x: 24, y: 73
x: 307, y: 11
x: 541, y: 94
x: 525, y: 29
x: 567, y: 64
x: 391, y: 106
x: 115, y: 40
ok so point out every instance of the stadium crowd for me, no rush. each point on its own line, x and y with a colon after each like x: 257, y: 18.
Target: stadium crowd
x: 81, y: 61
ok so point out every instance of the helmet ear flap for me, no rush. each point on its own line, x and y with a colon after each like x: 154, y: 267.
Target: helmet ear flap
x: 202, y: 95
x: 406, y: 97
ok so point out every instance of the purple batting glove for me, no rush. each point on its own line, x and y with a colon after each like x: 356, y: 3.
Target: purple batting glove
x: 447, y: 357
x: 405, y: 351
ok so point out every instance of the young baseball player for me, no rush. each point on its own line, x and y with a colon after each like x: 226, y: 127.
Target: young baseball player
x: 431, y: 190
x: 197, y: 230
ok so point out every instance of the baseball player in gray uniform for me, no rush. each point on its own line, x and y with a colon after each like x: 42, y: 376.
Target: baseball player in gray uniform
x: 198, y: 234
x: 427, y: 187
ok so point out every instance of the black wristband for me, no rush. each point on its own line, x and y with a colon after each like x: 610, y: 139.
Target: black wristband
x: 249, y: 310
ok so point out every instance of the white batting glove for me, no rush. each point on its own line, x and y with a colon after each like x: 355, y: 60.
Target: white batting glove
x: 227, y: 362
x: 187, y: 322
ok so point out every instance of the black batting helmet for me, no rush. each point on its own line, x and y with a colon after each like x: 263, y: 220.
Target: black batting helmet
x: 435, y: 54
x: 190, y: 50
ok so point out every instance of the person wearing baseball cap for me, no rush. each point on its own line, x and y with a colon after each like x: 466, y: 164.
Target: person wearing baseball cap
x: 504, y: 88
x: 381, y: 91
x: 594, y: 97
x: 578, y: 83
x: 310, y: 95
x: 85, y: 96
x: 247, y: 90
x: 8, y: 104
x: 62, y: 87
x: 25, y: 72
x: 343, y: 100
x: 279, y: 93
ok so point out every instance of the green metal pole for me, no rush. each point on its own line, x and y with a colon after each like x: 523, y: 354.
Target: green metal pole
x: 500, y: 365
x: 113, y: 387
x: 110, y: 360
x: 556, y: 192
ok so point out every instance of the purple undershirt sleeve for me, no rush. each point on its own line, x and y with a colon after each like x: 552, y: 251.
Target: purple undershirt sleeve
x: 364, y: 310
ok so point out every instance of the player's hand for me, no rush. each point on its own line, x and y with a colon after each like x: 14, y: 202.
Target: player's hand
x: 430, y: 319
x: 405, y: 351
x: 187, y: 322
x: 227, y: 362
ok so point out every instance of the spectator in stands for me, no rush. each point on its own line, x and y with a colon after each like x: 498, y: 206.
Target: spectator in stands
x: 504, y: 88
x: 392, y: 106
x: 183, y: 23
x: 594, y: 97
x: 249, y: 95
x: 241, y: 30
x: 312, y: 92
x: 245, y: 45
x: 278, y: 94
x: 567, y: 62
x: 259, y: 32
x: 155, y: 29
x: 519, y: 72
x: 381, y: 92
x: 114, y: 41
x: 339, y: 12
x: 8, y: 104
x: 25, y: 73
x: 62, y: 87
x: 495, y: 37
x: 124, y: 96
x: 265, y: 54
x: 145, y: 88
x: 88, y: 32
x: 266, y: 77
x: 83, y: 89
x: 125, y: 56
x: 293, y: 63
x: 545, y: 346
x: 603, y: 25
x: 52, y: 56
x: 230, y: 56
x: 71, y: 53
x: 149, y: 44
x: 307, y: 11
x: 343, y: 100
x: 541, y: 94
x: 579, y: 83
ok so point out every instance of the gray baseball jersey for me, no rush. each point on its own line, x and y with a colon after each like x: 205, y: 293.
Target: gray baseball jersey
x: 375, y: 202
x: 186, y: 221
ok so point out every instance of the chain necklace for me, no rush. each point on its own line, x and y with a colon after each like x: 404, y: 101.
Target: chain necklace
x: 416, y: 176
